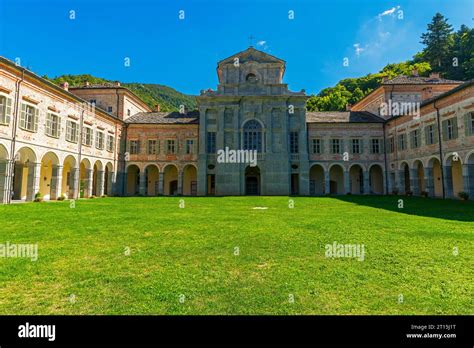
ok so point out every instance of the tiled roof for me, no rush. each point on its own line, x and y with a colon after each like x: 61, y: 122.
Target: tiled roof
x: 101, y: 85
x: 419, y: 80
x: 343, y: 117
x: 191, y: 117
x: 451, y: 91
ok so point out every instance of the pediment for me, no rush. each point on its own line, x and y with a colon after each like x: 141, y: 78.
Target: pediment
x: 252, y: 55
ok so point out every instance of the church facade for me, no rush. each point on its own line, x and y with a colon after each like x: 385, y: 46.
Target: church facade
x: 83, y: 141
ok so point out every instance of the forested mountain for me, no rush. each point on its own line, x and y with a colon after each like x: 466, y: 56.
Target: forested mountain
x: 445, y: 51
x: 152, y: 94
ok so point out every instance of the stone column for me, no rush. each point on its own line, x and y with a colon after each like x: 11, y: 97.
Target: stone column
x: 429, y: 182
x: 142, y: 186
x: 414, y: 182
x: 33, y: 183
x: 110, y: 183
x: 327, y: 184
x: 448, y: 181
x: 100, y: 183
x: 390, y: 183
x: 74, y: 183
x: 88, y: 183
x: 469, y: 179
x: 401, y: 181
x: 5, y: 180
x: 180, y: 183
x: 161, y: 183
x: 56, y: 182
x: 347, y: 182
x: 366, y: 182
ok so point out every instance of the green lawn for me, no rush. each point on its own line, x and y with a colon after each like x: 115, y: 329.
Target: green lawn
x: 189, y: 253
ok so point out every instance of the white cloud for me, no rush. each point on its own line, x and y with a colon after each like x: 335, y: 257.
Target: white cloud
x: 261, y: 43
x: 358, y: 49
x: 388, y: 12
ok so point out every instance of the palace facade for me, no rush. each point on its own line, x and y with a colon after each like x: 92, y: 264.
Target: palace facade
x: 91, y: 140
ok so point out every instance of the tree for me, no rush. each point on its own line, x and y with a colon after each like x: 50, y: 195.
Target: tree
x: 438, y: 42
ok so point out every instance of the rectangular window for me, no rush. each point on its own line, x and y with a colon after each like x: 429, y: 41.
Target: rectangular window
x: 109, y: 109
x: 429, y: 134
x: 294, y: 142
x: 336, y: 146
x: 53, y: 125
x: 99, y: 140
x: 450, y: 129
x: 87, y: 136
x: 110, y: 143
x: 356, y: 146
x: 401, y: 142
x: 29, y: 117
x: 170, y: 147
x: 415, y: 138
x: 93, y: 101
x: 211, y: 142
x: 189, y: 146
x: 316, y: 145
x: 151, y: 149
x: 375, y: 146
x: 5, y: 110
x: 72, y: 131
x: 134, y: 147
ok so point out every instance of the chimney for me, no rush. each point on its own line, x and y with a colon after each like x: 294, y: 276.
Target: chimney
x: 384, y: 79
x: 65, y: 86
x: 87, y: 84
x: 117, y: 83
x: 157, y: 107
x: 434, y: 75
x: 414, y: 72
x: 348, y: 107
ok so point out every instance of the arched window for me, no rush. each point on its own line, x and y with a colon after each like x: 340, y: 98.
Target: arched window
x: 253, y: 136
x: 251, y: 78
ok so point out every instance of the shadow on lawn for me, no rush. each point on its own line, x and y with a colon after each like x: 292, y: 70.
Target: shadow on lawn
x: 448, y: 209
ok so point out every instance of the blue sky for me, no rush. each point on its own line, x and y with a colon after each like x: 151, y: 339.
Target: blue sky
x: 183, y: 53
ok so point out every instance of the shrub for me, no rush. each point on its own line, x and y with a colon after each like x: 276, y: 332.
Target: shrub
x: 104, y: 196
x: 463, y: 195
x: 409, y: 193
x: 424, y: 194
x: 38, y: 197
x: 395, y: 191
x: 92, y: 197
x: 62, y: 198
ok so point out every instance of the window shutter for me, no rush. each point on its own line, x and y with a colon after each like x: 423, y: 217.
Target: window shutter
x: 445, y: 130
x: 59, y: 126
x: 8, y: 111
x: 76, y: 135
x: 435, y: 134
x: 467, y: 130
x: 455, y: 127
x: 157, y: 145
x: 138, y: 146
x: 426, y: 135
x: 23, y: 116
x: 36, y: 119
x: 48, y: 124
x: 382, y: 146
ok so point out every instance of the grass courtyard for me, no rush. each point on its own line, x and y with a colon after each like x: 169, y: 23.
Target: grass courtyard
x: 220, y: 256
